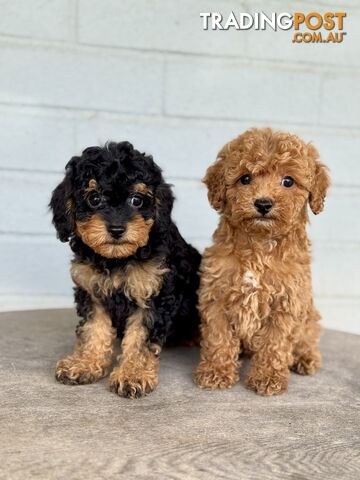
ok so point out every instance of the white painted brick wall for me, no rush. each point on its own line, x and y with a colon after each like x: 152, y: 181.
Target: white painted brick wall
x: 267, y: 46
x: 48, y: 20
x: 79, y: 72
x: 70, y: 77
x: 229, y: 89
x: 156, y: 25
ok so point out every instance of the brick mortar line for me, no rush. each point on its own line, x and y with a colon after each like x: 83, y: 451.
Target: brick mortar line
x: 350, y: 188
x: 71, y: 46
x: 316, y: 124
x: 52, y: 235
x: 39, y: 110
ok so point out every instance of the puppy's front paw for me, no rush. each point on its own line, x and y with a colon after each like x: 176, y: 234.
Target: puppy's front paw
x: 268, y: 384
x: 74, y: 370
x: 132, y: 384
x: 208, y: 376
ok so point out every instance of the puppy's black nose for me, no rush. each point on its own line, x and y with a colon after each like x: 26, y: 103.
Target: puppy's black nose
x: 263, y: 205
x: 116, y: 230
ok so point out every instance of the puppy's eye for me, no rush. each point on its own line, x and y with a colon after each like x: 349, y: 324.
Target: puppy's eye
x: 94, y: 199
x: 245, y: 179
x: 287, y: 182
x: 136, y: 201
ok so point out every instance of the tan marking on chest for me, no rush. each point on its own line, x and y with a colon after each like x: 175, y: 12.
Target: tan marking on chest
x: 93, y: 282
x: 138, y: 281
x: 143, y: 280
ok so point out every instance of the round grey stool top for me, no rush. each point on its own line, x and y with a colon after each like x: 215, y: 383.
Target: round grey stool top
x: 53, y: 431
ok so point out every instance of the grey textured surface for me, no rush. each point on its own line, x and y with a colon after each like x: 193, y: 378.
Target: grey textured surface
x: 53, y: 431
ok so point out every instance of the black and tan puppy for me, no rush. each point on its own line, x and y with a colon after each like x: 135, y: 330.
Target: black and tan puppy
x: 135, y: 276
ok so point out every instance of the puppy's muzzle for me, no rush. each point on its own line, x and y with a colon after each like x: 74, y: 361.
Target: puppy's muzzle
x: 263, y: 205
x: 116, y: 231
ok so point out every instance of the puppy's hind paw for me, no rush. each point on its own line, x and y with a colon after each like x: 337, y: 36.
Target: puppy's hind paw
x: 307, y: 365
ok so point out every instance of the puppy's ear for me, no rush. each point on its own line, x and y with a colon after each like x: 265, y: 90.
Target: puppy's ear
x: 62, y: 205
x: 164, y: 201
x: 215, y: 182
x: 320, y: 183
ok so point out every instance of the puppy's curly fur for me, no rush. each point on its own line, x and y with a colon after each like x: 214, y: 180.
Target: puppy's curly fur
x: 135, y: 276
x: 255, y: 290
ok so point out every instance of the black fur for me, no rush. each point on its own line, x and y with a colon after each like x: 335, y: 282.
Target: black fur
x: 116, y: 167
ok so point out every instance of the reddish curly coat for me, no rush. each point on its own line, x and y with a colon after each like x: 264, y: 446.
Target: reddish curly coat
x: 255, y: 292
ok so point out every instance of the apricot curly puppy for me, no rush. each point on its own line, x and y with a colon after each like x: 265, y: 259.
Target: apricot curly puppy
x: 255, y: 291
